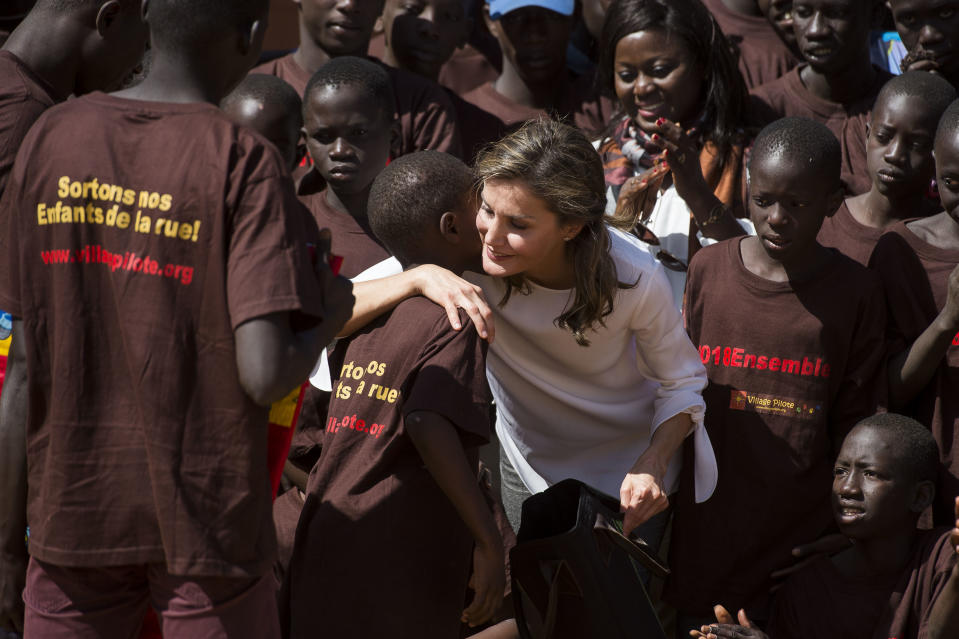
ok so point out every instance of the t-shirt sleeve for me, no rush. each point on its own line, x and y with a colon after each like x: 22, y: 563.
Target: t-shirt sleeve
x: 863, y: 387
x: 451, y: 380
x: 434, y: 125
x: 269, y: 268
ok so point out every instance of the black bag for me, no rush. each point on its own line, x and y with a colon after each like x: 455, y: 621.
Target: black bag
x: 574, y: 574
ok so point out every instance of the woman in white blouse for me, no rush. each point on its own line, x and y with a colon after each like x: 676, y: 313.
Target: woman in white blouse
x: 593, y: 374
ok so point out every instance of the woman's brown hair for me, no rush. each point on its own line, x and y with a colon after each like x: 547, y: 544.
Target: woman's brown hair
x: 559, y: 166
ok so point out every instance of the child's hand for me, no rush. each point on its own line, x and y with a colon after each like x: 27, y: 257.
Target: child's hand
x: 727, y: 629
x: 488, y: 583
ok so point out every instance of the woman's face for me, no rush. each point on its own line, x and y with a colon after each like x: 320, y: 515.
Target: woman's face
x: 520, y: 234
x: 655, y: 75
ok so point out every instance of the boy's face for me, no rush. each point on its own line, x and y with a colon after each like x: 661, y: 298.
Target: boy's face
x: 780, y: 15
x: 787, y: 204
x: 831, y: 34
x: 471, y: 247
x: 534, y: 40
x: 947, y: 173
x: 347, y: 135
x: 340, y: 27
x: 872, y: 492
x: 272, y: 122
x: 931, y: 26
x: 422, y: 34
x: 899, y: 146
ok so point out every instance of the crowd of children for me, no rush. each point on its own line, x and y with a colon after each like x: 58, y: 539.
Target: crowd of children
x: 439, y: 255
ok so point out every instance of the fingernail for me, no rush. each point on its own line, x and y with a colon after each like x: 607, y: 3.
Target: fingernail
x: 661, y: 121
x: 655, y: 136
x: 643, y: 183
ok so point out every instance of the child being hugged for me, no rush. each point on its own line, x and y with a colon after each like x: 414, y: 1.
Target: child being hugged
x: 918, y: 262
x: 393, y: 500
x: 899, y: 157
x: 791, y: 334
x: 673, y: 158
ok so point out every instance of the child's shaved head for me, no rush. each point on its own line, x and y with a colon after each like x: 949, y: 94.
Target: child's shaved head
x: 367, y: 77
x: 271, y: 107
x: 410, y: 195
x: 187, y: 24
x: 936, y: 92
x: 916, y: 450
x: 799, y: 139
x: 949, y: 123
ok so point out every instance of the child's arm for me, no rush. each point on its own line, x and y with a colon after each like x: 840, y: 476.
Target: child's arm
x: 439, y: 446
x: 375, y: 297
x: 912, y: 369
x: 944, y: 617
x: 272, y: 357
x: 13, y: 479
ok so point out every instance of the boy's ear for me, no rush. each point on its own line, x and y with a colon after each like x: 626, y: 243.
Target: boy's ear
x: 396, y: 138
x: 107, y: 15
x: 924, y: 495
x: 249, y: 36
x: 449, y: 229
x: 835, y: 201
x: 144, y: 9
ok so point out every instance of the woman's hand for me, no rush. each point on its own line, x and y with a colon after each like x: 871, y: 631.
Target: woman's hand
x: 638, y: 195
x: 681, y: 151
x: 641, y: 495
x: 452, y: 292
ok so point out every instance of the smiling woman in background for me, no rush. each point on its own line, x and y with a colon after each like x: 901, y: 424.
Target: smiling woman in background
x: 673, y: 155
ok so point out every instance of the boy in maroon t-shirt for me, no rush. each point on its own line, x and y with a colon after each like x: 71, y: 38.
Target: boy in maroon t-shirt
x: 332, y: 29
x: 791, y: 334
x: 894, y: 580
x: 421, y: 37
x: 930, y: 31
x: 918, y: 262
x: 837, y: 85
x: 899, y: 157
x: 394, y: 500
x: 158, y: 276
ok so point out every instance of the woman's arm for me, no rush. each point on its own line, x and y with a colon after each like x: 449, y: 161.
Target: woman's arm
x: 642, y: 494
x: 375, y: 297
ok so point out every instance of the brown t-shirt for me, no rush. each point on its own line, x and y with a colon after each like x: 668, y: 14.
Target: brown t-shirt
x: 580, y: 102
x: 821, y: 602
x: 427, y: 119
x: 915, y: 276
x: 844, y: 233
x: 24, y: 96
x: 788, y: 96
x: 791, y: 368
x: 131, y: 268
x: 411, y: 554
x: 763, y: 56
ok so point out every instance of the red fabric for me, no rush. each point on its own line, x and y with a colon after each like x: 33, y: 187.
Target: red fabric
x: 279, y: 436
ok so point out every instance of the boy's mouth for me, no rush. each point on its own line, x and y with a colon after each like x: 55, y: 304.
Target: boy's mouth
x: 776, y: 242
x: 890, y: 177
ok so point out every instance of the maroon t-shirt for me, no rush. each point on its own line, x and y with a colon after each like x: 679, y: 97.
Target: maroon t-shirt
x: 788, y: 96
x: 376, y: 525
x: 427, y: 119
x: 791, y: 368
x: 915, y: 276
x: 763, y: 56
x: 844, y: 233
x: 132, y: 255
x: 24, y: 96
x: 821, y: 602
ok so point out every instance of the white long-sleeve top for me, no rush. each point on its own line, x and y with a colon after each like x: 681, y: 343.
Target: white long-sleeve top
x: 565, y: 410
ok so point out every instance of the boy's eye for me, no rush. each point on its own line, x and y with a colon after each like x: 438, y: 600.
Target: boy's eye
x: 359, y: 132
x: 839, y: 471
x: 906, y: 19
x: 801, y: 11
x: 761, y: 202
x: 837, y: 13
x: 882, y: 136
x: 947, y: 12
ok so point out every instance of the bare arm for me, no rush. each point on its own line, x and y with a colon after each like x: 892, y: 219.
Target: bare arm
x: 13, y: 484
x: 440, y: 448
x: 642, y: 494
x: 375, y: 297
x: 912, y: 369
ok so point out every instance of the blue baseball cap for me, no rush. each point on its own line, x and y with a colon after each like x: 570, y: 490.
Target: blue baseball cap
x: 499, y: 8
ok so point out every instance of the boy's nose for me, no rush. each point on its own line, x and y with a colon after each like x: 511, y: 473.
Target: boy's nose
x: 929, y: 34
x: 818, y: 26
